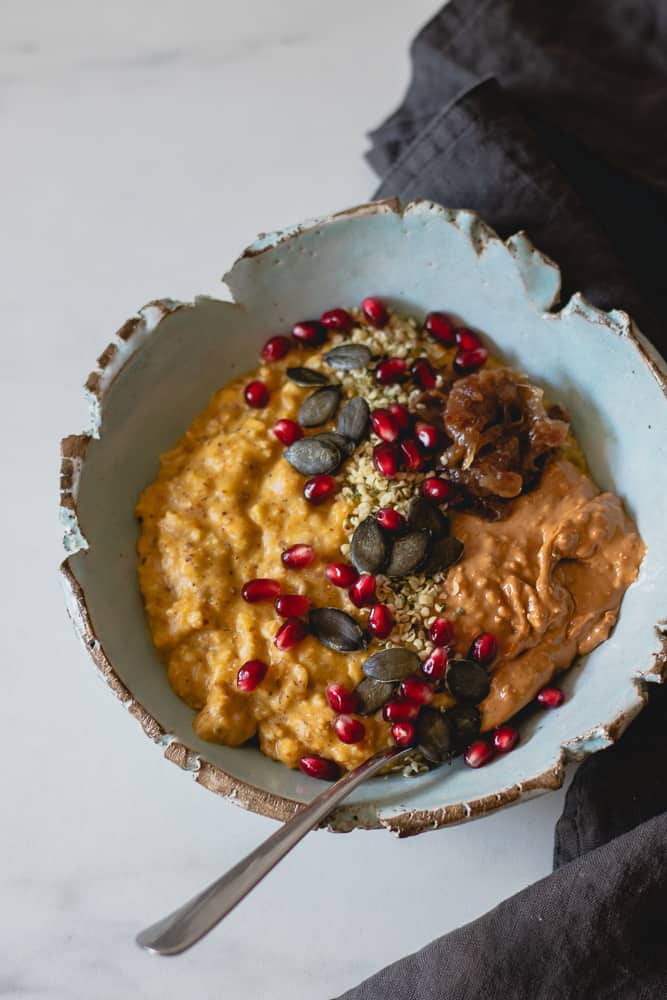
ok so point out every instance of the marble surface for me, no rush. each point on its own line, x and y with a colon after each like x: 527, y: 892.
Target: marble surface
x: 145, y: 143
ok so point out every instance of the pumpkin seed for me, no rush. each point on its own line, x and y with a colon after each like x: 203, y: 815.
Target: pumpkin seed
x: 354, y: 418
x: 372, y: 694
x: 465, y: 722
x: 392, y: 664
x: 311, y: 456
x: 369, y: 546
x: 444, y: 553
x: 306, y: 376
x: 336, y: 630
x: 320, y: 406
x: 348, y: 357
x: 425, y: 516
x: 434, y: 735
x: 467, y: 681
x: 345, y: 445
x: 407, y: 553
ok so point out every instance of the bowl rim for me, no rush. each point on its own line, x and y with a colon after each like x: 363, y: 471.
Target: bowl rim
x: 128, y: 339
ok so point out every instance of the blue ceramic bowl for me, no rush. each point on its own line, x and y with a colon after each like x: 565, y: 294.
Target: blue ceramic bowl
x: 165, y: 363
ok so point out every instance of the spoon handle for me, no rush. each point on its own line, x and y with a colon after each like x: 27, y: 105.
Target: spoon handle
x: 185, y: 926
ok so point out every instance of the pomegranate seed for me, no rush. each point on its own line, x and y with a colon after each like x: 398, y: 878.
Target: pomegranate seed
x: 470, y: 361
x: 478, y: 754
x: 337, y: 319
x: 416, y: 689
x: 310, y: 333
x: 260, y: 590
x: 318, y: 489
x: 256, y: 394
x: 440, y: 327
x: 435, y: 664
x: 505, y: 739
x: 401, y: 415
x: 442, y: 632
x: 380, y: 621
x: 437, y: 489
x: 390, y: 519
x: 362, y: 593
x: 349, y: 730
x: 427, y: 435
x: 551, y: 697
x: 401, y: 711
x: 375, y: 312
x: 404, y: 733
x: 384, y: 425
x: 287, y: 431
x: 298, y: 556
x: 423, y: 373
x: 320, y: 767
x: 484, y: 648
x: 290, y: 634
x: 292, y: 605
x: 390, y: 371
x: 467, y: 340
x: 250, y: 675
x: 275, y: 348
x: 386, y: 459
x: 411, y: 455
x: 341, y: 574
x: 340, y: 699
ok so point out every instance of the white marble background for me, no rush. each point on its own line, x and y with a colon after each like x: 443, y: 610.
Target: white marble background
x: 144, y: 143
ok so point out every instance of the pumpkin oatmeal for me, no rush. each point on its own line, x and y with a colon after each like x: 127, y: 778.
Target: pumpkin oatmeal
x: 380, y: 536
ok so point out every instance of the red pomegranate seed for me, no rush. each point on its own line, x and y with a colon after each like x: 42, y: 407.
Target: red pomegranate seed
x: 484, y: 648
x: 416, y: 689
x: 467, y: 340
x: 341, y: 699
x: 362, y: 593
x: 435, y: 664
x: 437, y: 489
x: 298, y: 556
x: 386, y: 459
x: 337, y: 319
x: 318, y: 489
x: 260, y: 590
x: 320, y: 767
x: 505, y: 738
x: 404, y: 733
x: 401, y: 415
x: 478, y: 754
x: 275, y: 348
x: 427, y: 435
x: 310, y: 333
x: 287, y: 431
x: 470, y: 361
x: 256, y: 394
x: 413, y: 459
x: 441, y: 328
x: 292, y: 605
x: 442, y: 632
x: 375, y: 312
x: 551, y: 697
x: 341, y: 574
x: 349, y: 730
x: 390, y: 519
x: 290, y: 634
x: 390, y: 371
x: 423, y: 373
x: 401, y: 710
x: 380, y: 621
x: 384, y: 425
x: 250, y: 675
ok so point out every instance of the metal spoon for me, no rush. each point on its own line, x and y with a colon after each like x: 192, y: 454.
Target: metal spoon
x: 187, y: 925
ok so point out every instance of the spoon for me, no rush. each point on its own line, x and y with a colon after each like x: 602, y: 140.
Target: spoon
x: 184, y: 927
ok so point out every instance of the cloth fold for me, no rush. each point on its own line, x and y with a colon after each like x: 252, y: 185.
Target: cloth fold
x: 551, y: 118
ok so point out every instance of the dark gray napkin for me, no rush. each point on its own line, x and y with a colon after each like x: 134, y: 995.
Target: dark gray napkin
x: 552, y: 117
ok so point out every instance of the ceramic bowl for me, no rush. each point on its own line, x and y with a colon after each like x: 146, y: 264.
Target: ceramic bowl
x: 165, y: 363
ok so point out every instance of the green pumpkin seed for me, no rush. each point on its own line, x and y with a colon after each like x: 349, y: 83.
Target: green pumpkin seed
x: 369, y: 546
x: 391, y: 664
x: 306, y: 376
x: 425, y: 516
x: 319, y: 407
x: 354, y: 418
x: 465, y: 722
x: 434, y: 735
x: 345, y: 445
x: 467, y: 681
x: 349, y: 357
x: 373, y: 694
x: 313, y: 457
x: 336, y: 630
x: 407, y: 553
x: 444, y: 553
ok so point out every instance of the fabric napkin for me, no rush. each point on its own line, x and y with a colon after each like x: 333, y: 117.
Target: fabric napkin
x: 552, y: 117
